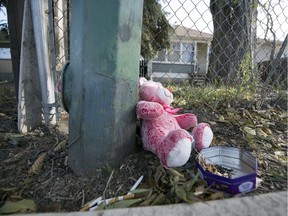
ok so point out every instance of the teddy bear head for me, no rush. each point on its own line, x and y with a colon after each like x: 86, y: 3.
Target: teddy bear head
x: 154, y: 92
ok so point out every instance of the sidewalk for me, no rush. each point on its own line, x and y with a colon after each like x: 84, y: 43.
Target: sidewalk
x: 264, y: 204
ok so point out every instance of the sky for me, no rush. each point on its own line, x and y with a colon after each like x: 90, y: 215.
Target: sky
x: 195, y: 14
x: 3, y: 14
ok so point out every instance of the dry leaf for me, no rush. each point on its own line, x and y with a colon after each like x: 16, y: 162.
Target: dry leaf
x: 222, y: 119
x: 189, y: 184
x: 38, y: 164
x: 260, y: 132
x: 212, y: 123
x: 217, y: 195
x: 14, y: 158
x: 267, y: 131
x: 284, y: 115
x: 249, y: 130
x: 159, y: 172
x: 9, y: 189
x: 181, y: 193
x: 124, y: 203
x: 22, y: 206
x: 264, y: 113
x: 175, y: 173
x: 199, y: 190
x: 159, y: 199
x: 149, y: 200
x: 60, y: 146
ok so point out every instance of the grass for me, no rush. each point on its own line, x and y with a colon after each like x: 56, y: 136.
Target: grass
x: 188, y: 96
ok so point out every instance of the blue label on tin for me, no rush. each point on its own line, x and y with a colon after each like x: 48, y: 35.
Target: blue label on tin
x: 245, y: 187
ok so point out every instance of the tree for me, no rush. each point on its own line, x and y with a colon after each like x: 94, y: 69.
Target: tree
x: 156, y: 29
x: 4, y: 33
x: 233, y: 39
x: 155, y: 32
x: 15, y: 9
x: 274, y: 58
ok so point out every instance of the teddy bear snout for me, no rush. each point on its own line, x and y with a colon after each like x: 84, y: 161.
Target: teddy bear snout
x: 165, y: 96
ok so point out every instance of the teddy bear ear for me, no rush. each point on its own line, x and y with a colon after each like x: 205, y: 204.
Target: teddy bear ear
x: 141, y: 81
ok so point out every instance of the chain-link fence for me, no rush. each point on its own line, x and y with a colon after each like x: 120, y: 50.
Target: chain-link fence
x: 61, y: 12
x: 236, y: 44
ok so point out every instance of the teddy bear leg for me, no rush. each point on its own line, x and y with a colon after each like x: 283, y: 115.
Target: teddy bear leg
x: 180, y: 154
x: 180, y: 142
x: 203, y: 136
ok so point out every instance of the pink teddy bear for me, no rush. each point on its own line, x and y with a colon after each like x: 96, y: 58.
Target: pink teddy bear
x: 163, y: 132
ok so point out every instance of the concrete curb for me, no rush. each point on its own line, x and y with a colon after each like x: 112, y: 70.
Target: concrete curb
x: 264, y: 204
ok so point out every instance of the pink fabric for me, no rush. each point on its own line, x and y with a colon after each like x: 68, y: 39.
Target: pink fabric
x: 171, y: 110
x: 149, y: 91
x: 162, y: 128
x: 186, y: 121
x: 160, y: 134
x: 198, y: 133
x: 149, y: 110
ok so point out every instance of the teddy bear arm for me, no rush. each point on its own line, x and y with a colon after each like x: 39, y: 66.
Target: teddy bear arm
x: 186, y: 121
x: 148, y: 110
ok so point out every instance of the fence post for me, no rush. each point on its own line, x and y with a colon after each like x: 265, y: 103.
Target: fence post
x: 101, y: 82
x: 40, y: 26
x: 29, y: 95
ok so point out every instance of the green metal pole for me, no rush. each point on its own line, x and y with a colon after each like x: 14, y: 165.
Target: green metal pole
x: 100, y: 84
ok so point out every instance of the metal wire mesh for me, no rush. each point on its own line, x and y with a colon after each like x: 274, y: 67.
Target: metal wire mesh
x: 61, y: 25
x: 205, y: 42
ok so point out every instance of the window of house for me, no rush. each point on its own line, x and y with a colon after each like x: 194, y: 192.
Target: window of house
x: 180, y: 52
x: 187, y: 52
x: 175, y: 53
x: 161, y: 56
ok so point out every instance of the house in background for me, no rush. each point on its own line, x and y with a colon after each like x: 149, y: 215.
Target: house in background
x: 188, y: 55
x: 5, y: 56
x: 5, y: 64
x: 264, y: 49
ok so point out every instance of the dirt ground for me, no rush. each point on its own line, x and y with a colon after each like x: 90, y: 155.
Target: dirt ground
x: 55, y: 188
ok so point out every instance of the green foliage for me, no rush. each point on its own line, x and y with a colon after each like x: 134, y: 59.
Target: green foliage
x: 4, y: 35
x: 108, y: 169
x: 155, y: 30
x: 243, y: 90
x: 246, y: 76
x: 212, y: 96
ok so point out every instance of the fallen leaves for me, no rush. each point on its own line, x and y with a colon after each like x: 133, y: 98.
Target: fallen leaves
x: 216, y: 169
x: 21, y: 206
x: 249, y: 130
x: 260, y: 132
x: 60, y: 146
x: 177, y: 186
x: 38, y: 164
x: 54, y: 181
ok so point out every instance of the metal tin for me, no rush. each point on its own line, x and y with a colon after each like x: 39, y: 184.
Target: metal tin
x: 242, y: 163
